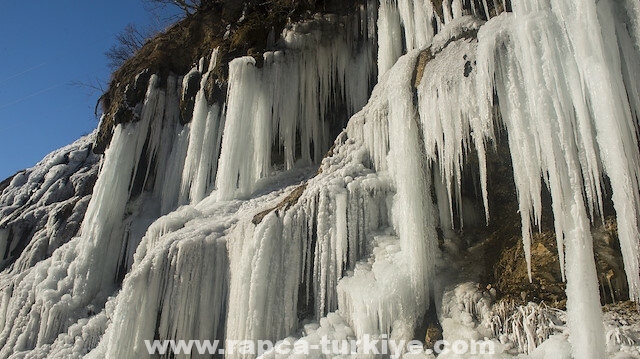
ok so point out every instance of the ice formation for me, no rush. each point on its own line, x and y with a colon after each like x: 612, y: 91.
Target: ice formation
x: 43, y: 207
x: 311, y: 70
x: 225, y: 227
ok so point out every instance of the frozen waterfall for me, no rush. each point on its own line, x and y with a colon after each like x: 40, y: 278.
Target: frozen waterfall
x: 247, y: 224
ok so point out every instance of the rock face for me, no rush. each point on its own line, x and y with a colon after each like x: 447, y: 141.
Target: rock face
x: 547, y: 283
x: 613, y: 282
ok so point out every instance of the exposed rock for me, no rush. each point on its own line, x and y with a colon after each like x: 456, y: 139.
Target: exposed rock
x: 512, y: 278
x: 287, y: 203
x: 135, y: 92
x: 423, y: 60
x: 189, y: 92
x: 124, y: 114
x: 214, y: 88
x: 611, y: 275
x: 434, y: 334
x: 547, y: 284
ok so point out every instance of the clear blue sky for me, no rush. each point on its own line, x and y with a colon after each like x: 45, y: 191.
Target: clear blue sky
x: 45, y: 47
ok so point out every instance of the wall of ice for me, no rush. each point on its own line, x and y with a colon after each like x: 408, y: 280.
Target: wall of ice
x: 155, y: 164
x: 171, y: 246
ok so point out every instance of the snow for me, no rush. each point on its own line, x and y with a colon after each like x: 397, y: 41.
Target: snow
x: 556, y: 347
x: 42, y: 207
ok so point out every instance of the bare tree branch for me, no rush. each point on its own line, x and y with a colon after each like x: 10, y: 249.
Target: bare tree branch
x: 92, y: 86
x: 128, y: 42
x: 188, y: 6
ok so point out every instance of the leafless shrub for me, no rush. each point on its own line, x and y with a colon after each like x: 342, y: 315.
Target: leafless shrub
x: 128, y: 42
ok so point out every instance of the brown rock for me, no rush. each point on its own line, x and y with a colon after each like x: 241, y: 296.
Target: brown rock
x: 434, y: 334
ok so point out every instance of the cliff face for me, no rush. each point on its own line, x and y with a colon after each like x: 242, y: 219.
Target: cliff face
x: 283, y: 162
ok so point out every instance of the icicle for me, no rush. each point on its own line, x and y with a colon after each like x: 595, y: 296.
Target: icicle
x: 170, y: 124
x: 618, y: 147
x: 450, y: 126
x: 102, y: 223
x: 555, y: 137
x: 207, y: 168
x: 487, y: 14
x: 205, y: 133
x: 456, y: 8
x: 241, y: 162
x: 181, y: 282
x: 290, y: 97
x: 446, y: 10
x: 196, y: 138
x: 170, y: 193
x: 406, y: 11
x: 405, y: 25
x: 389, y: 36
x: 264, y: 277
x: 341, y: 234
x: 413, y: 205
